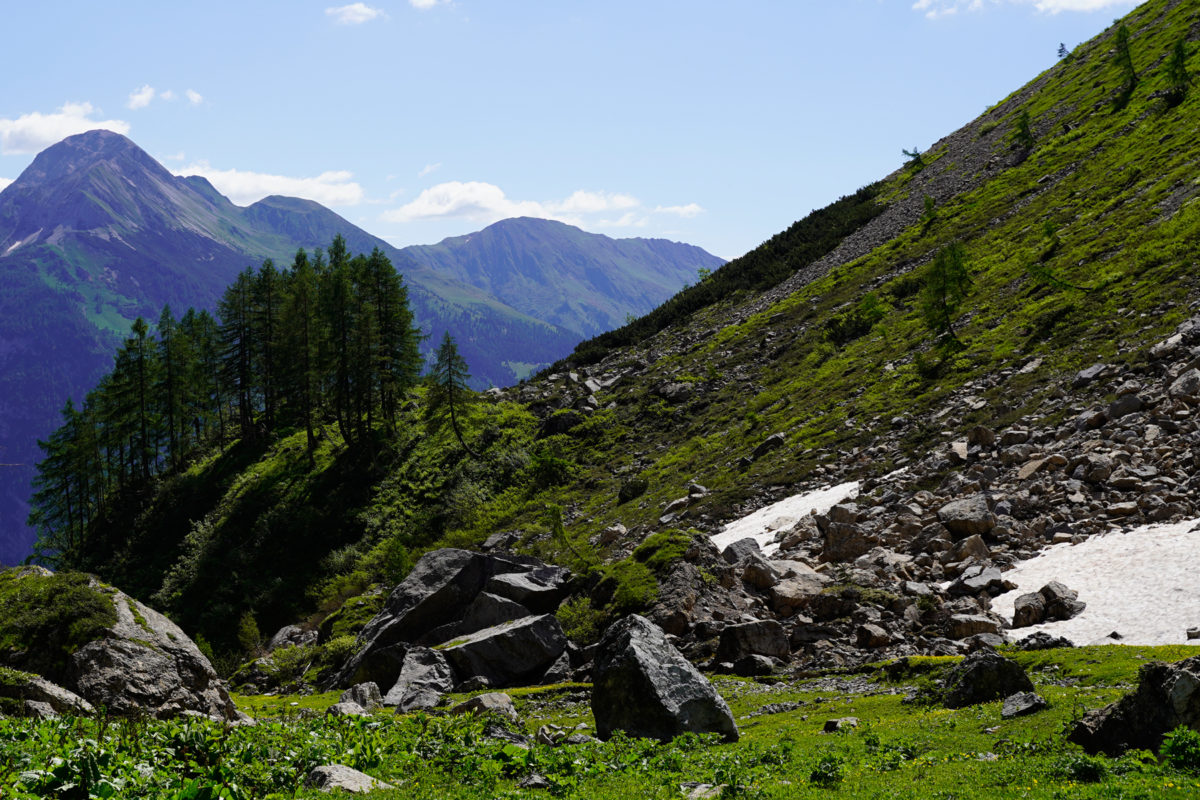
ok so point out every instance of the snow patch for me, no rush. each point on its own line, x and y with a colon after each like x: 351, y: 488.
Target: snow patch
x: 763, y: 524
x: 1141, y: 583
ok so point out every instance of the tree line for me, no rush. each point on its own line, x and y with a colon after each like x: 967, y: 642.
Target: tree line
x: 328, y: 340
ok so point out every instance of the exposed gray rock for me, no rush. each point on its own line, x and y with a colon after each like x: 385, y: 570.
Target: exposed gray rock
x: 772, y: 442
x: 489, y: 703
x: 365, y: 695
x: 963, y: 625
x: 968, y: 516
x: 1061, y: 602
x: 763, y: 637
x: 1186, y: 386
x: 332, y: 777
x: 511, y: 654
x: 983, y: 676
x: 794, y: 593
x: 839, y: 724
x: 424, y: 677
x: 870, y: 636
x: 1167, y: 696
x: 978, y: 579
x: 36, y: 709
x: 1029, y: 609
x: 642, y: 685
x: 346, y: 709
x: 488, y: 610
x: 291, y: 636
x: 1043, y: 641
x: 741, y: 550
x: 1022, y: 703
x: 147, y: 664
x: 35, y: 688
x: 540, y: 588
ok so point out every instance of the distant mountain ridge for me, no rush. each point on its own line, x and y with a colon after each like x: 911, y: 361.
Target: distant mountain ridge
x: 95, y: 233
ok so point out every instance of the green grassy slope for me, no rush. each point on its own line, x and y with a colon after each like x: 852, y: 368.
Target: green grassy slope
x: 1080, y: 249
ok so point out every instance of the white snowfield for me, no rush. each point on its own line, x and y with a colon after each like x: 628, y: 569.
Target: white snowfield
x: 763, y: 524
x: 1143, y: 584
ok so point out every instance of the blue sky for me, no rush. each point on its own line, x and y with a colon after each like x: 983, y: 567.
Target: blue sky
x: 716, y: 123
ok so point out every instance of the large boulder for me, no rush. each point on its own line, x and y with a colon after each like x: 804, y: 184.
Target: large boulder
x: 106, y: 647
x: 510, y: 654
x: 764, y: 637
x: 424, y: 677
x: 1167, y: 696
x: 968, y: 516
x: 23, y: 687
x: 339, y: 777
x: 643, y: 686
x: 981, y: 677
x: 428, y: 606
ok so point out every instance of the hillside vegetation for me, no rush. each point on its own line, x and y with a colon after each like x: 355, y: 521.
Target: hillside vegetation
x: 1072, y: 202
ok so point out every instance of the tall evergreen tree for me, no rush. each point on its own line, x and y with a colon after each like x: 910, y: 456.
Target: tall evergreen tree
x: 300, y: 324
x: 237, y: 347
x: 449, y: 394
x: 946, y: 284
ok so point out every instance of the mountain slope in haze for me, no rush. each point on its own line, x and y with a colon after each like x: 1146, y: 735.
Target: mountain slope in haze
x: 1081, y: 249
x: 95, y: 233
x: 583, y: 282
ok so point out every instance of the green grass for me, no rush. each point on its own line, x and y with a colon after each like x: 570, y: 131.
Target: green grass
x: 897, y: 749
x: 49, y: 617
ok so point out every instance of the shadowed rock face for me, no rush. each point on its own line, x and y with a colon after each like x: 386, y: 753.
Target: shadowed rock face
x: 1167, y: 696
x: 984, y: 676
x: 645, y: 687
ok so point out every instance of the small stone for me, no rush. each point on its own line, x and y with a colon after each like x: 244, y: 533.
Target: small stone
x: 840, y: 724
x: 1022, y: 703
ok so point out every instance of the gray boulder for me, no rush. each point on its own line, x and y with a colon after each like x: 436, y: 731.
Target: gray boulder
x: 27, y: 688
x: 540, y: 589
x: 291, y: 636
x: 424, y: 677
x: 642, y: 685
x: 762, y: 637
x: 968, y: 516
x: 364, y: 694
x: 741, y: 550
x: 977, y: 580
x: 331, y: 777
x: 1022, y: 703
x: 1167, y: 696
x: 487, y: 610
x: 511, y: 654
x: 981, y: 677
x: 488, y: 703
x: 1029, y: 609
x: 147, y: 664
x: 1186, y: 386
x: 346, y: 708
x: 1061, y: 602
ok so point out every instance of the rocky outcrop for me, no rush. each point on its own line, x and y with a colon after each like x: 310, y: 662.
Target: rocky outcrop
x: 509, y: 654
x: 1167, y: 696
x: 643, y: 686
x: 23, y: 687
x: 1052, y: 602
x: 338, y: 777
x: 424, y: 677
x: 983, y: 676
x: 450, y: 594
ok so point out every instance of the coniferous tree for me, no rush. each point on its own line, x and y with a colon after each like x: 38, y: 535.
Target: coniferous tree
x: 266, y: 307
x: 449, y: 395
x: 1123, y: 58
x: 300, y: 323
x: 237, y: 347
x: 337, y: 305
x: 946, y: 284
x: 1178, y: 80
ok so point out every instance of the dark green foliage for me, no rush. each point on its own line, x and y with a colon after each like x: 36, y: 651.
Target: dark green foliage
x: 352, y: 616
x: 916, y: 160
x: 1082, y: 767
x: 318, y: 343
x: 1022, y: 135
x: 450, y: 396
x: 48, y: 617
x: 1063, y: 52
x: 249, y: 638
x: 1178, y: 79
x: 627, y: 587
x: 1181, y: 749
x: 859, y: 320
x: 929, y: 215
x: 763, y: 267
x: 1123, y: 59
x: 946, y: 284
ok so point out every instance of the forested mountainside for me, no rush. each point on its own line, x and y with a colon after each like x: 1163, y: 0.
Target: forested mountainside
x: 96, y: 233
x: 966, y: 290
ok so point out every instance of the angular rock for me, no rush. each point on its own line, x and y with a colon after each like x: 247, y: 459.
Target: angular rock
x: 753, y: 666
x: 512, y: 654
x: 1124, y: 405
x: 346, y: 709
x: 845, y: 541
x: 291, y: 636
x: 1061, y: 603
x: 759, y: 573
x: 983, y: 676
x: 870, y: 636
x: 1022, y: 703
x: 1086, y: 376
x: 741, y: 550
x: 963, y: 625
x: 1029, y: 609
x: 772, y: 442
x: 1167, y: 696
x: 36, y: 709
x: 147, y: 664
x: 839, y: 724
x: 424, y: 677
x: 1043, y: 641
x: 643, y: 686
x: 1186, y: 386
x: 762, y: 637
x: 540, y: 589
x: 968, y: 516
x: 488, y: 610
x: 34, y: 688
x: 977, y: 580
x: 794, y: 593
x: 332, y: 777
x: 490, y: 703
x: 365, y: 695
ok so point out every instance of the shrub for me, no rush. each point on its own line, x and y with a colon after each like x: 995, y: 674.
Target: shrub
x: 1181, y: 749
x: 828, y: 772
x: 580, y: 621
x: 659, y: 550
x: 1082, y: 768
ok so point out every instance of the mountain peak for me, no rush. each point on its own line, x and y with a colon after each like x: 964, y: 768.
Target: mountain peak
x: 77, y: 154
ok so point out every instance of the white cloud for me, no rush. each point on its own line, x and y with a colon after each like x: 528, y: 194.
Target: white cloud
x: 194, y: 97
x: 428, y: 169
x: 355, y: 14
x: 140, y: 98
x: 34, y: 132
x: 334, y: 188
x: 486, y: 203
x: 425, y: 5
x: 4, y: 183
x: 935, y: 9
x: 167, y: 95
x: 687, y: 212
